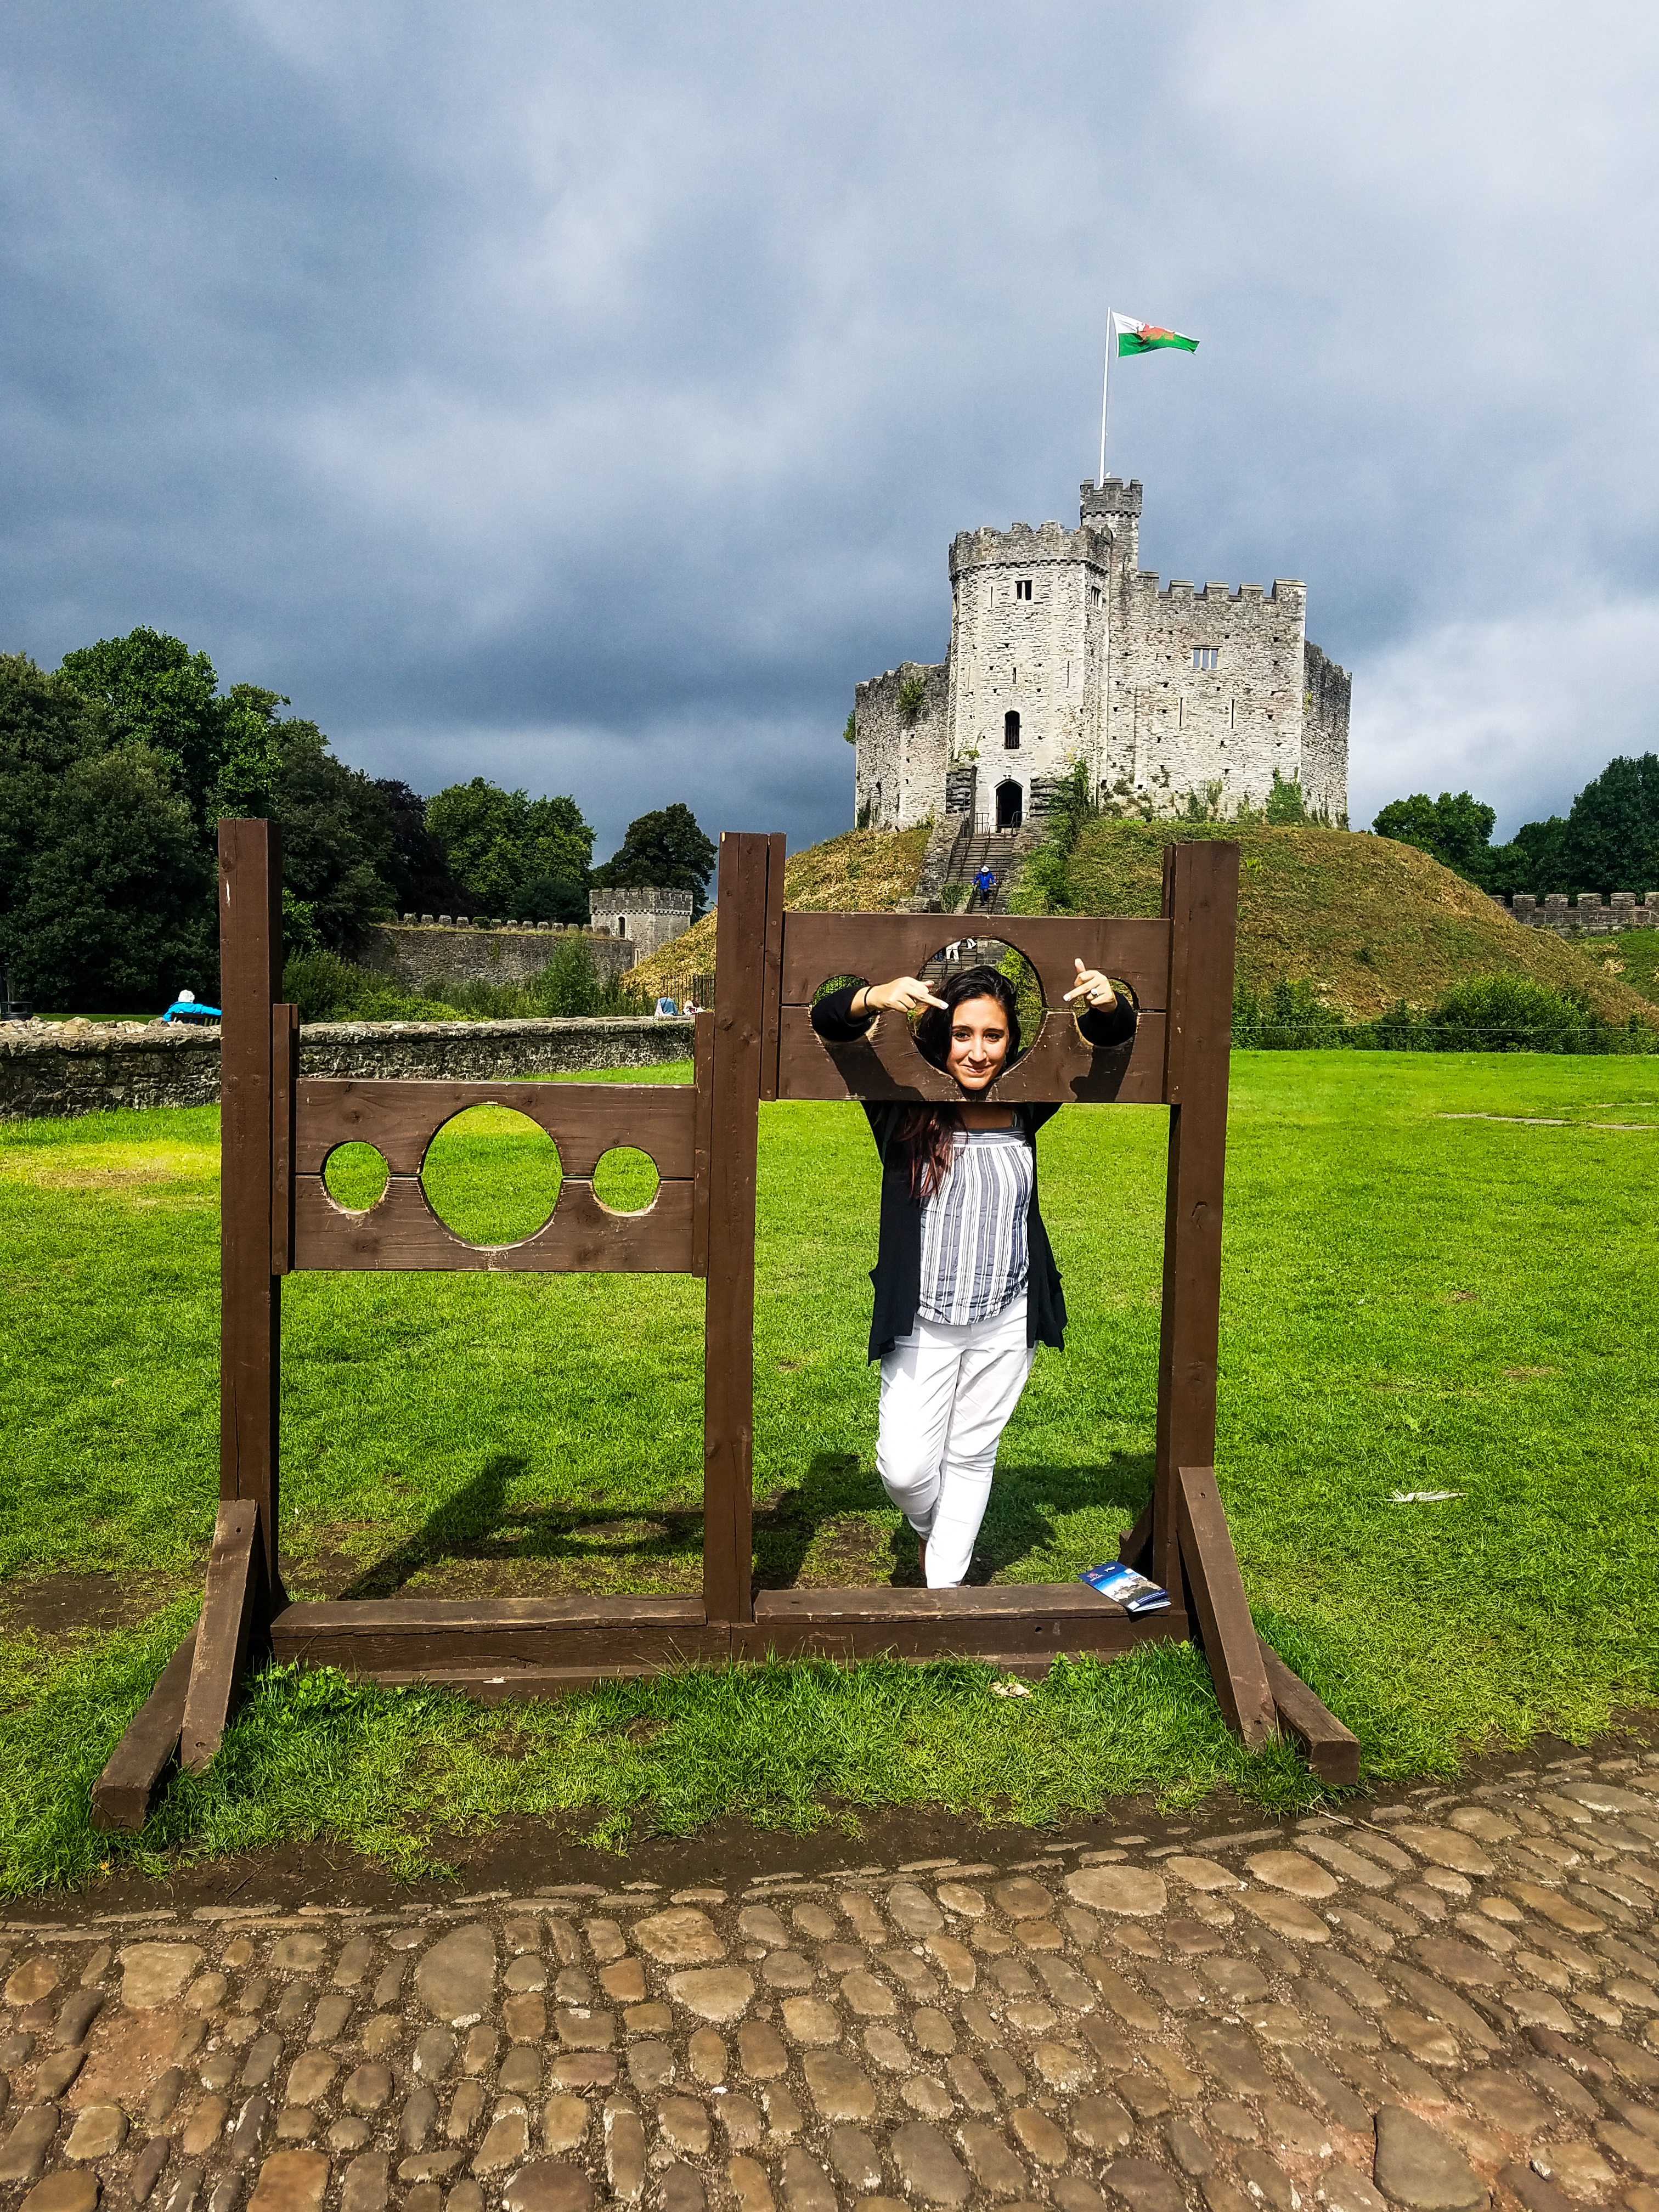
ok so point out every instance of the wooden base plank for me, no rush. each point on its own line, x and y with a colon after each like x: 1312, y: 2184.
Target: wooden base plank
x: 121, y: 1795
x: 1231, y: 1644
x: 1038, y: 1622
x: 235, y: 1571
x: 538, y: 1647
x: 429, y: 1640
x: 1331, y: 1750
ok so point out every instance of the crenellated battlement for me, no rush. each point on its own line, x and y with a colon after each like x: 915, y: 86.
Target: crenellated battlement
x: 1020, y: 545
x: 1587, y: 916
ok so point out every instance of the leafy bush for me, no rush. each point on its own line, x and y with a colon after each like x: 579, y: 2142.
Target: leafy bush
x: 1486, y: 1013
x: 326, y: 988
x: 912, y: 691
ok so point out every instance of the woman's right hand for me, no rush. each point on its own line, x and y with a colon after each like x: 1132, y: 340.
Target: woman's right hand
x: 903, y: 995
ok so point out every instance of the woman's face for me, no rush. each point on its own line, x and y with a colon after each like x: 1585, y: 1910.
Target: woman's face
x: 979, y: 1042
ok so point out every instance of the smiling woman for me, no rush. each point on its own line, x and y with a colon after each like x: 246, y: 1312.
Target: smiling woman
x: 966, y: 1285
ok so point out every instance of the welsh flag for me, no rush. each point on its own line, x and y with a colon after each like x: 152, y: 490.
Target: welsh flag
x: 1135, y: 336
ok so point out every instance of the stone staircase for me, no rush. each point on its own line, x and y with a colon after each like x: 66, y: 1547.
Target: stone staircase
x: 955, y: 854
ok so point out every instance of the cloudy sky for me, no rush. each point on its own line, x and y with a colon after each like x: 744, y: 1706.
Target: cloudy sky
x: 587, y: 397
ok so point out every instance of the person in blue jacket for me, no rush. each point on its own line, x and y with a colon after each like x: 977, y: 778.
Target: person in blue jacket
x: 965, y: 1284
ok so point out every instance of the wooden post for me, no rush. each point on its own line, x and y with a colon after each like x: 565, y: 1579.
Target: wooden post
x: 250, y: 977
x: 728, y: 1390
x: 1201, y: 897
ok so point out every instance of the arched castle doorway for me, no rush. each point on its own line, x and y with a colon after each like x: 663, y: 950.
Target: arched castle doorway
x: 1011, y: 806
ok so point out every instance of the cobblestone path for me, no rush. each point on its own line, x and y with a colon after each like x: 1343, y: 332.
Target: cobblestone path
x: 1435, y: 2003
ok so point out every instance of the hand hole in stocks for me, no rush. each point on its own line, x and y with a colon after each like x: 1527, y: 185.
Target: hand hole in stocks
x: 625, y: 1180
x: 355, y: 1176
x: 492, y: 1175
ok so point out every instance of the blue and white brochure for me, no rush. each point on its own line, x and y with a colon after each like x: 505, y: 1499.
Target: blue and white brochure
x: 1130, y: 1590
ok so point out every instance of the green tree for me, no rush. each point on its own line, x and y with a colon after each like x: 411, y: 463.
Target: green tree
x: 497, y: 842
x: 1611, y: 842
x: 116, y: 910
x: 337, y: 851
x: 159, y: 694
x: 1456, y: 830
x: 421, y: 877
x: 665, y: 849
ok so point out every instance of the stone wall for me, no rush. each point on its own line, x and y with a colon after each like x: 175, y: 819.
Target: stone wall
x: 44, y: 1073
x: 1326, y: 697
x: 1588, y: 917
x: 1174, y: 729
x: 421, y: 953
x: 898, y: 769
x: 645, y: 915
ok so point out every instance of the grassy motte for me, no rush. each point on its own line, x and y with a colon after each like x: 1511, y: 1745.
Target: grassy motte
x: 1410, y: 1302
x: 863, y: 871
x: 1365, y: 922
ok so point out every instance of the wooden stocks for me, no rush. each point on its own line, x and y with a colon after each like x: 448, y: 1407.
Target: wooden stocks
x: 750, y: 904
x: 250, y: 977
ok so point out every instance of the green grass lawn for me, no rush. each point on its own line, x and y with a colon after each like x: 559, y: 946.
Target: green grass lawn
x: 1413, y: 1300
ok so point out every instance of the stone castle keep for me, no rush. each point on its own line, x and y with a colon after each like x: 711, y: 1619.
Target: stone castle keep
x: 1064, y: 650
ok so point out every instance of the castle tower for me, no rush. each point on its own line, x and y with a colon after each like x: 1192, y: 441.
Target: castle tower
x: 1028, y: 632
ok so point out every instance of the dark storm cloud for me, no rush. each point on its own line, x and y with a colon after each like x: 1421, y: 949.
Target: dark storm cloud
x: 589, y: 401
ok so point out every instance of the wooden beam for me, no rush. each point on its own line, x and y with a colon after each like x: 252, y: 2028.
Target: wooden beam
x: 250, y: 972
x: 436, y: 1640
x: 1230, y: 1644
x: 1034, y: 1622
x: 231, y: 1611
x: 772, y: 962
x: 122, y: 1794
x: 284, y: 1088
x: 728, y: 1418
x: 1133, y: 1545
x: 1200, y: 899
x: 1331, y: 1750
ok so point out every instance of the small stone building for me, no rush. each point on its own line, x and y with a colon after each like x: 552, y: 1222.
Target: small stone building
x: 1064, y: 650
x: 644, y: 914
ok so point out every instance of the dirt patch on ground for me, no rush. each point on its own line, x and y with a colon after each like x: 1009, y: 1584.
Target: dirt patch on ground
x: 61, y: 1604
x: 519, y: 1856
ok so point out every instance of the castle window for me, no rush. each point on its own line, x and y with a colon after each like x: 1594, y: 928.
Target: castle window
x: 1023, y: 588
x: 1206, y: 656
x: 1010, y: 732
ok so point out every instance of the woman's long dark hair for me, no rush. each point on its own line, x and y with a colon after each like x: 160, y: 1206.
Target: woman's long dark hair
x: 926, y: 1134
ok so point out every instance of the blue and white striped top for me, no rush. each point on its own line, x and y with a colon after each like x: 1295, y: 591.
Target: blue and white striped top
x: 973, y: 1231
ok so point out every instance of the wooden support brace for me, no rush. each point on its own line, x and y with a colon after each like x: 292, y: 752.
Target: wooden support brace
x: 1134, y: 1544
x: 121, y: 1795
x: 1331, y: 1750
x: 1230, y: 1644
x: 234, y: 1588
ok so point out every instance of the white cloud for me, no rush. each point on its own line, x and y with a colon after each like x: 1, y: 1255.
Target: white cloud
x: 1523, y: 711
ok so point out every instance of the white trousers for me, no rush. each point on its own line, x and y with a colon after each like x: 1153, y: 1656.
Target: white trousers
x: 946, y: 1396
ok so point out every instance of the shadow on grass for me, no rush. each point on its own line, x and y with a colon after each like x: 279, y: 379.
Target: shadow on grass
x: 480, y: 1521
x: 837, y: 1512
x: 1026, y: 1504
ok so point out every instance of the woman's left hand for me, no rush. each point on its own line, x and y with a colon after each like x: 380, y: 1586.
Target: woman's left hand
x: 1093, y: 986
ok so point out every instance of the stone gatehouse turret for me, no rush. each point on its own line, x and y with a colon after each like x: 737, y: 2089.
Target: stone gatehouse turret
x: 1064, y: 650
x: 644, y: 914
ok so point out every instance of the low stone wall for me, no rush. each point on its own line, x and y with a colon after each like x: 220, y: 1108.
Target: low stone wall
x: 419, y: 953
x: 44, y: 1073
x: 1586, y: 917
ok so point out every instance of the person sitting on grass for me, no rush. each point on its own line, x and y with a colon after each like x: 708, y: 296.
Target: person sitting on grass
x: 965, y: 1284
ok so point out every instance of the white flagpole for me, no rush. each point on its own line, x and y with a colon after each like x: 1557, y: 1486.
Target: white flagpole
x: 1105, y: 376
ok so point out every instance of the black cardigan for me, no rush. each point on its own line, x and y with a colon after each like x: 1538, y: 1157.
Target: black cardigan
x: 896, y: 1275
